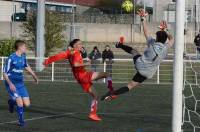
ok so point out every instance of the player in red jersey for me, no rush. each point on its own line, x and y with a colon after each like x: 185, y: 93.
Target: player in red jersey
x: 83, y: 76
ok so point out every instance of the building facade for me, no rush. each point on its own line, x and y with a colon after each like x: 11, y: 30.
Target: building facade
x: 7, y: 9
x: 165, y: 10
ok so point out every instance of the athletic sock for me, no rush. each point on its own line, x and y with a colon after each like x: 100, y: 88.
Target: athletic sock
x: 109, y: 84
x: 126, y: 48
x: 11, y: 104
x: 93, y: 108
x: 20, y: 113
x: 121, y: 91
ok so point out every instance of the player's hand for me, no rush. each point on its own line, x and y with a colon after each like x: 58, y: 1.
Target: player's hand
x: 163, y: 25
x: 142, y: 13
x: 36, y: 79
x: 12, y: 87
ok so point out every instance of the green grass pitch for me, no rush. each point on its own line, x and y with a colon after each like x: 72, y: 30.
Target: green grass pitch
x: 64, y: 107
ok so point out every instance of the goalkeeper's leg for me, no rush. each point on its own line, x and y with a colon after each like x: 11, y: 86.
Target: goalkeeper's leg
x: 137, y: 79
x: 128, y: 49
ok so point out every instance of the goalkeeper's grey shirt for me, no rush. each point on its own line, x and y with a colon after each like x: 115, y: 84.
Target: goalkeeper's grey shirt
x: 146, y: 65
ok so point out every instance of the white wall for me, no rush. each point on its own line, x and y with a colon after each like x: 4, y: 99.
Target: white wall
x: 7, y: 9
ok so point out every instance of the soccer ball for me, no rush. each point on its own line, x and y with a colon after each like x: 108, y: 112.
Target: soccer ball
x: 127, y: 5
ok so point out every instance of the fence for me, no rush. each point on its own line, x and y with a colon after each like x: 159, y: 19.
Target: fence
x: 122, y: 71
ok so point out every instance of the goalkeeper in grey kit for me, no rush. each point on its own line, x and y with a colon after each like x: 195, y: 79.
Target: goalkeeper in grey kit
x: 147, y: 63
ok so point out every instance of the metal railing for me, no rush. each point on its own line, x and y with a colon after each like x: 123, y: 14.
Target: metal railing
x: 122, y: 71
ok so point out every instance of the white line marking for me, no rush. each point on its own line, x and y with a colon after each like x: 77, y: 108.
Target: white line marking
x: 37, y: 118
x: 73, y: 113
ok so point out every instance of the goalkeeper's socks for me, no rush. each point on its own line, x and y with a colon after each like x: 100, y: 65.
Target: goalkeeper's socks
x: 93, y: 108
x: 116, y: 92
x: 20, y: 113
x: 109, y: 84
x: 126, y: 48
x: 121, y: 91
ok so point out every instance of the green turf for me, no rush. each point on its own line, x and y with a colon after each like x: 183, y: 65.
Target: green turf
x: 147, y: 109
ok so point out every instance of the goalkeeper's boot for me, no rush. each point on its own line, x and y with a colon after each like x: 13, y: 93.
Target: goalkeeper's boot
x: 117, y: 45
x: 94, y: 117
x: 108, y: 97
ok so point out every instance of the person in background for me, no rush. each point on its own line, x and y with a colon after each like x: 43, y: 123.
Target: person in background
x: 84, y: 53
x: 108, y: 56
x: 197, y: 43
x: 94, y: 56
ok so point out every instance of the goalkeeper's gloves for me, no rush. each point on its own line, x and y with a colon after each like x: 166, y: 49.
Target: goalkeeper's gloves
x: 142, y: 14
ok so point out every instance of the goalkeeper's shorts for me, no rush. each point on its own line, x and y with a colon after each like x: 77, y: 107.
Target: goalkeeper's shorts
x: 139, y: 78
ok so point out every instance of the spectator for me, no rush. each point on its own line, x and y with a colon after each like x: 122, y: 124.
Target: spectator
x: 94, y: 56
x: 197, y: 43
x: 84, y: 53
x: 108, y: 56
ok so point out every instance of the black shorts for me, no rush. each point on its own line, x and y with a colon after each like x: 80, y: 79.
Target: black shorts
x: 139, y: 78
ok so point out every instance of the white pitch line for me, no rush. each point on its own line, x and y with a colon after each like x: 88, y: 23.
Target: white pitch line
x: 51, y: 116
x: 38, y: 118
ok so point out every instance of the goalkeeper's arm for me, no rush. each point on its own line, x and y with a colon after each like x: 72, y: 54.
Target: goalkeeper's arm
x: 170, y: 38
x: 145, y: 27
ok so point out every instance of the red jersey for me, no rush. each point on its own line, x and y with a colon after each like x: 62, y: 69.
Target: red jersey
x: 83, y: 77
x: 58, y: 57
x: 76, y: 57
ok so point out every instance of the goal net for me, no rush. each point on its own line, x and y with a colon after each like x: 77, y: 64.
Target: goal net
x: 191, y: 96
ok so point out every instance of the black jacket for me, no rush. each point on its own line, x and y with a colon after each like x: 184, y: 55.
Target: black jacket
x: 95, y: 56
x: 197, y: 40
x: 107, y: 55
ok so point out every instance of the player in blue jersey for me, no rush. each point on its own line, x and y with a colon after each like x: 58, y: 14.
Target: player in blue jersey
x: 14, y: 80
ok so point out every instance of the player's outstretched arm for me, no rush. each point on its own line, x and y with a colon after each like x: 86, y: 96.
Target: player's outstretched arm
x: 143, y: 15
x: 30, y: 71
x: 171, y: 39
x: 57, y: 57
x: 145, y: 28
x: 164, y: 27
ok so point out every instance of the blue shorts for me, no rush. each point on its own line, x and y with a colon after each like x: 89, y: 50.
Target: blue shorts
x: 21, y: 91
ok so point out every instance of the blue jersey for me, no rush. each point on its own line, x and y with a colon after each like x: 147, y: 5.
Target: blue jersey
x: 14, y: 67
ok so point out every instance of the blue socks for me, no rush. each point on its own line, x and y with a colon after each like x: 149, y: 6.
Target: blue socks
x: 11, y: 104
x: 20, y: 113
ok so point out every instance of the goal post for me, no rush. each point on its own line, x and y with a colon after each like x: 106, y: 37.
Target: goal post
x: 178, y: 67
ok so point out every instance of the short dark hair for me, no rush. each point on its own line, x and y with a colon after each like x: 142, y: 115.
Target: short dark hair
x: 18, y: 43
x: 107, y: 46
x: 73, y: 42
x: 161, y: 36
